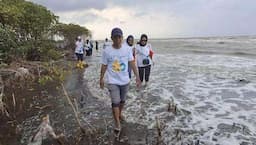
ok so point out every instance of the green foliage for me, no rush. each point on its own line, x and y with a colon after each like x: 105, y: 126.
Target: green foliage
x: 26, y: 30
x: 70, y: 32
x: 10, y: 13
x: 55, y: 73
x: 44, y: 79
x: 29, y: 20
x: 42, y: 50
x: 52, y: 54
x: 36, y: 20
x: 7, y: 43
x: 30, y: 23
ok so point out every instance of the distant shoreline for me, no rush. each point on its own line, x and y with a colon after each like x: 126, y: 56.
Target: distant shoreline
x: 204, y: 37
x: 196, y: 37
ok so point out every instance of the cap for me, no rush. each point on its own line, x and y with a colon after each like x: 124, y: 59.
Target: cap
x: 116, y: 32
x: 79, y: 37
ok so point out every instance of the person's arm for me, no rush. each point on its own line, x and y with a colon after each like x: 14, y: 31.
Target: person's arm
x: 133, y: 52
x: 102, y: 73
x: 104, y: 65
x: 151, y: 53
x: 135, y: 71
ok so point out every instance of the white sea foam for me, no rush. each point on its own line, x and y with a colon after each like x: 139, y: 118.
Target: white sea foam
x: 215, y: 95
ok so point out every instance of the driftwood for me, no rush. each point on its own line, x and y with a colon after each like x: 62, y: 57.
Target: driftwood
x: 43, y: 107
x: 158, y: 126
x: 76, y: 112
x: 20, y: 72
x: 14, y: 101
x: 43, y: 130
x: 3, y: 109
x: 172, y: 107
x: 8, y: 71
x: 1, y: 94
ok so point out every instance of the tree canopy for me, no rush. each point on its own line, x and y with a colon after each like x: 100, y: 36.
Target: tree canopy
x: 70, y: 32
x: 26, y: 24
x: 28, y: 20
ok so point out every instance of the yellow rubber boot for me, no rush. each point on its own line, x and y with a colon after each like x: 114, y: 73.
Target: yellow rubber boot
x: 78, y: 64
x: 81, y: 65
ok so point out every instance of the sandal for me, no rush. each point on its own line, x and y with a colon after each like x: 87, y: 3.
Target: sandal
x: 117, y: 132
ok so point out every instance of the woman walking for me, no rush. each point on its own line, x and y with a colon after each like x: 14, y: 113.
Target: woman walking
x: 144, y: 58
x: 130, y: 44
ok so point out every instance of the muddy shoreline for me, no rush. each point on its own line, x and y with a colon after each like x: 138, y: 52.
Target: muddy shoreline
x: 34, y: 101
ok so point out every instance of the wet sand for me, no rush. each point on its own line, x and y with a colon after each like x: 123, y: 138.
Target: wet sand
x: 33, y: 102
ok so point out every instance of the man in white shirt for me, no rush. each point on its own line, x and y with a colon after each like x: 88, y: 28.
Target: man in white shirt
x: 115, y: 61
x: 79, y: 50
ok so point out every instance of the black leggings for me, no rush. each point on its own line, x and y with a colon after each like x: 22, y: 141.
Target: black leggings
x: 144, y: 70
x: 80, y: 56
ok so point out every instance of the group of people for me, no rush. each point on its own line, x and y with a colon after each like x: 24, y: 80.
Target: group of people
x: 82, y: 48
x: 117, y: 61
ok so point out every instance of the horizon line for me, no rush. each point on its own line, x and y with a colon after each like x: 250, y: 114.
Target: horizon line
x: 193, y: 37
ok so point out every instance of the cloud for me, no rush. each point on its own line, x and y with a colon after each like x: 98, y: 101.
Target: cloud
x: 154, y: 24
x: 71, y: 5
x: 165, y: 18
x: 215, y: 18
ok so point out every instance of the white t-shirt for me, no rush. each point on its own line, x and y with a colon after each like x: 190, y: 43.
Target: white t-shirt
x: 79, y: 47
x: 142, y: 52
x: 87, y: 46
x: 106, y: 44
x: 128, y: 46
x: 117, y: 64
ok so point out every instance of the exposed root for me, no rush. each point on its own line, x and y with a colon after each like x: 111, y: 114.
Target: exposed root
x: 43, y: 130
x: 172, y: 107
x: 3, y: 109
x: 91, y: 128
x: 1, y: 95
x: 43, y: 107
x: 158, y: 126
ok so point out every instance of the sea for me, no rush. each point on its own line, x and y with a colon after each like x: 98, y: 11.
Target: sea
x: 201, y: 90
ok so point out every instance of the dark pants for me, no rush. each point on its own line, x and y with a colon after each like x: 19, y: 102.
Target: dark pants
x: 89, y: 52
x: 144, y: 71
x: 80, y: 56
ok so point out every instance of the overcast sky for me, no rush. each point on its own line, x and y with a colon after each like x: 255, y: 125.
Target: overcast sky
x: 159, y: 18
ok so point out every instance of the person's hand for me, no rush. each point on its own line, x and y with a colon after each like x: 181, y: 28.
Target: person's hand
x: 101, y: 83
x: 138, y: 82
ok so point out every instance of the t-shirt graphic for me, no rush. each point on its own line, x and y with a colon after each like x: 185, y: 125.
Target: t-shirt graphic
x: 118, y: 66
x: 117, y: 61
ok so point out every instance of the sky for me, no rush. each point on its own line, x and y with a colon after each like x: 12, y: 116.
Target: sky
x: 158, y: 18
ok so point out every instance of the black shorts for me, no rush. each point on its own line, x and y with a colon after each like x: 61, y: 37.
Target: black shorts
x: 80, y: 56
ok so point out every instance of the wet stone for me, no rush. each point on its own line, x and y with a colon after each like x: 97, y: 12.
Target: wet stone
x: 134, y: 133
x: 253, y: 139
x: 214, y: 139
x: 228, y: 128
x: 245, y: 143
x: 216, y: 133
